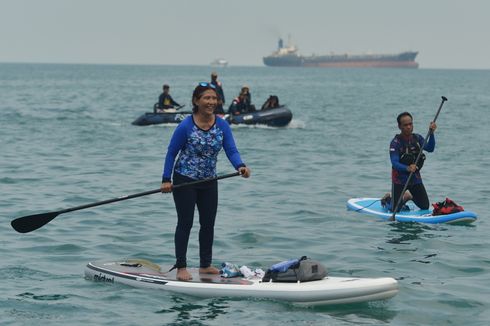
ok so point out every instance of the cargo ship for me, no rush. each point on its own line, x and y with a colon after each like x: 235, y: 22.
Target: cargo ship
x: 287, y: 56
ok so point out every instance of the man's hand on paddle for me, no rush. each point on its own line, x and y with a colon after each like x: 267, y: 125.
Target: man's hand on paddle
x: 432, y: 127
x: 412, y: 168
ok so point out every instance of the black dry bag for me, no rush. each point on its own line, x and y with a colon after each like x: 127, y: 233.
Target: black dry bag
x: 296, y: 270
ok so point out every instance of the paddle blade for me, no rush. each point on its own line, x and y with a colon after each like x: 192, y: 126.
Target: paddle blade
x: 30, y: 223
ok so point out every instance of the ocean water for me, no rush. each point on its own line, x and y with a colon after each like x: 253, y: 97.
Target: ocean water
x: 66, y: 140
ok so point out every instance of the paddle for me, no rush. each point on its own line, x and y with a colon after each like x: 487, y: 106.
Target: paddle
x: 175, y: 111
x: 392, y: 218
x: 155, y: 108
x: 30, y: 223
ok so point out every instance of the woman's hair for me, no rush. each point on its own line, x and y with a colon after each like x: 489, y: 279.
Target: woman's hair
x: 199, y: 90
x: 401, y: 115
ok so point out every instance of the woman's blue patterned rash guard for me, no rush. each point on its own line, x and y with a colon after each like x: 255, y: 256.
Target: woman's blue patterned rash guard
x: 199, y: 150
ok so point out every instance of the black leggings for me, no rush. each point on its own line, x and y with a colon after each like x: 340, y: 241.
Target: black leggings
x: 205, y: 195
x: 418, y: 192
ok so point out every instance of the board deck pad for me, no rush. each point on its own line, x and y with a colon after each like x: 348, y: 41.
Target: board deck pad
x: 136, y: 268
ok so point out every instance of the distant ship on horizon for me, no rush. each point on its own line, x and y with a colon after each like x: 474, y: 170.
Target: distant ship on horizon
x: 287, y: 56
x: 220, y: 62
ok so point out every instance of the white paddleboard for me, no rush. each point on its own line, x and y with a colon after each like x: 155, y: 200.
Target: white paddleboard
x: 372, y: 206
x: 330, y: 290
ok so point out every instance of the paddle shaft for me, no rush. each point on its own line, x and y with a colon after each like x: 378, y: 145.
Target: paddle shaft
x: 145, y: 193
x: 32, y: 222
x: 177, y: 108
x: 398, y: 202
x: 176, y: 112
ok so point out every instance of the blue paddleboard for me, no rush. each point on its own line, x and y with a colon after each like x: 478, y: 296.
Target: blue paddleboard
x: 372, y: 206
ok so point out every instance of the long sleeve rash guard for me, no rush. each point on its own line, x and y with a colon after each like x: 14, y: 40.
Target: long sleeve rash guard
x: 399, y: 173
x: 198, y: 150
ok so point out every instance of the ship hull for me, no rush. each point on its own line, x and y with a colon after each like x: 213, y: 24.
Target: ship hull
x: 283, y: 61
x: 402, y: 60
x: 364, y: 64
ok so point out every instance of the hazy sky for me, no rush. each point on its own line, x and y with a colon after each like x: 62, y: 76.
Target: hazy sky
x: 447, y: 33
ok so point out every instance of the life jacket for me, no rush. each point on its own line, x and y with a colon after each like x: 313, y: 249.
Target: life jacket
x: 241, y: 106
x: 446, y: 207
x: 409, y: 151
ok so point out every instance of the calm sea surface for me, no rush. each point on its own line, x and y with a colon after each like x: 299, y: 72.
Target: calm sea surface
x: 66, y: 139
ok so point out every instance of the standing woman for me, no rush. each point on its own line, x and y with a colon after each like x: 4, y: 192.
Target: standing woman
x: 197, y: 140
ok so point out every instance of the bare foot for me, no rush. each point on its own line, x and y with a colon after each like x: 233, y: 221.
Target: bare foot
x: 209, y: 270
x: 183, y: 274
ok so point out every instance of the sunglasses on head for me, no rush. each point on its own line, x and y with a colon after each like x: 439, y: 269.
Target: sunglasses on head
x: 204, y: 84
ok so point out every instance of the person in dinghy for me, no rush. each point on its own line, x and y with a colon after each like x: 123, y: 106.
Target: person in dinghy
x: 197, y: 140
x: 404, y: 149
x: 221, y: 94
x: 165, y: 101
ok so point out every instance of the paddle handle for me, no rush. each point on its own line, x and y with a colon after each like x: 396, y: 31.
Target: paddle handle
x: 398, y: 202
